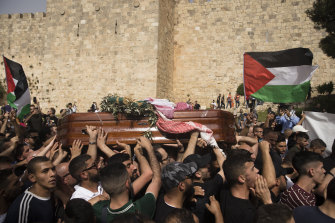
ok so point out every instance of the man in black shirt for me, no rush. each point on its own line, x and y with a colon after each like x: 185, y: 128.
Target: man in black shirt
x: 177, y: 184
x: 196, y: 105
x: 242, y: 177
x: 210, y: 186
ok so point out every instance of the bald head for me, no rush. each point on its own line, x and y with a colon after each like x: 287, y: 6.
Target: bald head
x: 62, y: 169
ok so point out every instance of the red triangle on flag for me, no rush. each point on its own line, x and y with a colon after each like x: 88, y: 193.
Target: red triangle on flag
x: 255, y: 75
x: 9, y: 77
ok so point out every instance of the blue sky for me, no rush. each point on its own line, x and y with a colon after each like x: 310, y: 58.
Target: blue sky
x: 22, y: 6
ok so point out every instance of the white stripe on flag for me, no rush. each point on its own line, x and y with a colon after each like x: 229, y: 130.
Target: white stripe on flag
x: 291, y: 75
x: 320, y: 125
x: 22, y: 101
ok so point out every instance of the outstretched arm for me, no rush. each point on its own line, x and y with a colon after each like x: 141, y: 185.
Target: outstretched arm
x: 146, y: 172
x: 4, y: 125
x: 269, y: 172
x: 156, y: 182
x: 302, y: 119
x: 220, y: 158
x: 191, y: 144
x: 101, y: 141
x: 249, y: 140
x: 92, y: 147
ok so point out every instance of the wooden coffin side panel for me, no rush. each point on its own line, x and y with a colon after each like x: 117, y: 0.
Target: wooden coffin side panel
x: 126, y: 130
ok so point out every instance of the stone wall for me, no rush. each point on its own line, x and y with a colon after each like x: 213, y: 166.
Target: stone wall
x: 211, y: 37
x: 165, y: 48
x: 81, y: 50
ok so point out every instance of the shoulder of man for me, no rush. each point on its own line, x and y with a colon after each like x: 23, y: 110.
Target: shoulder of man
x: 146, y: 205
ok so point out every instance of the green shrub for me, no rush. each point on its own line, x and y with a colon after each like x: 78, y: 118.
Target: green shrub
x: 240, y: 90
x: 325, y: 88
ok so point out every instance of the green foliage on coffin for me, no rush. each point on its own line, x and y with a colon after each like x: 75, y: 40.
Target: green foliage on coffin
x: 130, y: 108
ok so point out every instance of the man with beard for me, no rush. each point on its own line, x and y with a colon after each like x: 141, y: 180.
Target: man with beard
x: 138, y: 181
x: 201, y: 179
x: 116, y: 182
x: 84, y: 169
x: 35, y: 204
x: 178, y: 187
x: 124, y: 158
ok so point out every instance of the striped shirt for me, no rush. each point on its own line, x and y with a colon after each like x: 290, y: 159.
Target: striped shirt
x: 29, y: 207
x: 295, y: 196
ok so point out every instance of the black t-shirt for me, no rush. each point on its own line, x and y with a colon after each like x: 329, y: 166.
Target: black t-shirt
x: 29, y: 207
x: 274, y: 198
x: 236, y: 210
x: 328, y: 163
x: 162, y: 209
x: 36, y: 123
x: 196, y: 106
x: 307, y: 214
x: 211, y: 187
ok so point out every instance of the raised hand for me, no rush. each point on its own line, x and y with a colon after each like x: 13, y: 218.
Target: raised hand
x: 92, y: 131
x: 76, y: 148
x: 144, y: 143
x: 201, y: 143
x: 102, y: 137
x: 261, y: 190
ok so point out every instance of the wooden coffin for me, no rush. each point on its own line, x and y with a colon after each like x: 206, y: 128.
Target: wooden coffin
x: 127, y: 130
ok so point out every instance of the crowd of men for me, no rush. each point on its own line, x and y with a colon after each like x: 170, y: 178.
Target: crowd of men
x: 274, y: 173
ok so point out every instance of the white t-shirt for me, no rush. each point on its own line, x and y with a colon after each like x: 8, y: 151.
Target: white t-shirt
x: 83, y: 193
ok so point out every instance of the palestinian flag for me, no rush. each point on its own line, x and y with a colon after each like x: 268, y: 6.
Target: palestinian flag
x: 280, y: 77
x: 18, y: 95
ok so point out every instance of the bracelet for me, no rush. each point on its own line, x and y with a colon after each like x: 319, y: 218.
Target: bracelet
x: 92, y: 143
x: 331, y: 174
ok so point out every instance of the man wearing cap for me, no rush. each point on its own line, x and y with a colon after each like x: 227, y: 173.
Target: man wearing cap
x: 299, y: 128
x: 177, y: 184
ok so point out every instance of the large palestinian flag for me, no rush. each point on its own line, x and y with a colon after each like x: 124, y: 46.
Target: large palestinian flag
x: 18, y: 95
x: 280, y: 77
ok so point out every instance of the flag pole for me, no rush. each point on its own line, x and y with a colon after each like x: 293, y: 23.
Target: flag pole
x: 245, y: 101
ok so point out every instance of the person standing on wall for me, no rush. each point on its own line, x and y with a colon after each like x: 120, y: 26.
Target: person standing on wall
x: 222, y: 102
x: 229, y: 100
x: 237, y: 100
x: 218, y: 100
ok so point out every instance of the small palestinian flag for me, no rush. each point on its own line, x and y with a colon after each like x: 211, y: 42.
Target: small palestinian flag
x: 18, y: 95
x: 280, y: 77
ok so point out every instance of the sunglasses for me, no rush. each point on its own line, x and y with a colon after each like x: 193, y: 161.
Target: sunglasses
x: 66, y: 175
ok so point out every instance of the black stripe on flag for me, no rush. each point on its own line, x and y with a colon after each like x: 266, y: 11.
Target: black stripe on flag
x: 284, y: 58
x: 18, y: 74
